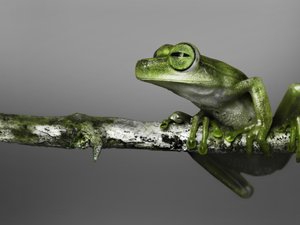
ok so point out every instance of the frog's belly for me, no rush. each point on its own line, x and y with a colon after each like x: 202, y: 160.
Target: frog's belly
x: 236, y: 114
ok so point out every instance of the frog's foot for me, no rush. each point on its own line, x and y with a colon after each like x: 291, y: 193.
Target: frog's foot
x: 231, y: 135
x: 202, y: 147
x: 215, y: 132
x: 298, y: 139
x: 191, y: 141
x: 176, y: 117
x: 254, y: 133
x: 258, y: 133
x: 206, y: 123
x: 288, y: 115
x: 294, y: 144
x: 215, y: 129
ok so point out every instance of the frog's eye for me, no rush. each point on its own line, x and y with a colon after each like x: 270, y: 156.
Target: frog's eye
x: 163, y: 51
x: 181, y: 57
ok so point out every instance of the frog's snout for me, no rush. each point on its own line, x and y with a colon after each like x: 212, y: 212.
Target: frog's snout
x: 138, y: 67
x: 143, y: 63
x: 141, y: 68
x: 151, y: 68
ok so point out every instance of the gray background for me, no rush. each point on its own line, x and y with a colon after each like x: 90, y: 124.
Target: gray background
x: 58, y: 57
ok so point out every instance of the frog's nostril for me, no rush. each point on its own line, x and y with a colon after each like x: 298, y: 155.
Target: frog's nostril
x: 144, y: 63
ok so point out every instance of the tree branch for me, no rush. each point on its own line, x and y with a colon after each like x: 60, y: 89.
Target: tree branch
x: 83, y: 131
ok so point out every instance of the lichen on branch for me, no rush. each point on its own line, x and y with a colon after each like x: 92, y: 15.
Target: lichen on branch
x: 80, y: 131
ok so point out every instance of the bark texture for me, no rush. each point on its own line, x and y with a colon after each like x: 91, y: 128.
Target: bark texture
x: 80, y: 131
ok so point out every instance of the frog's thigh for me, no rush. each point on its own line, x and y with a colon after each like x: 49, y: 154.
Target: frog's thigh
x: 289, y: 108
x: 232, y: 179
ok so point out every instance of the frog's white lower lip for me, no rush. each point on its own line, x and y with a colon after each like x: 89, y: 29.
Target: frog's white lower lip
x: 156, y: 81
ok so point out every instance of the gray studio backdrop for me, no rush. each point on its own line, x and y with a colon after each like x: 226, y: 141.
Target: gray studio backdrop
x: 58, y: 57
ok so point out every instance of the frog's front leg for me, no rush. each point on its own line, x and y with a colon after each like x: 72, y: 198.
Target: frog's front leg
x: 288, y: 115
x: 181, y: 117
x: 206, y: 123
x: 255, y: 132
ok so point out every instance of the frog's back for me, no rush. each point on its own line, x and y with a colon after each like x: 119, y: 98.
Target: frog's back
x: 218, y: 67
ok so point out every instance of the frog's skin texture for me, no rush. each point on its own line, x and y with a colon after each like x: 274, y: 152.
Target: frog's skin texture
x: 227, y: 98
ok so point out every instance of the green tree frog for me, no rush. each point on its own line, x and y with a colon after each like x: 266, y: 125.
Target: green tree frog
x: 226, y: 97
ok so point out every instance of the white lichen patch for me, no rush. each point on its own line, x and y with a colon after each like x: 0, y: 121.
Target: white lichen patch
x: 48, y: 130
x: 6, y: 135
x: 143, y: 135
x: 148, y: 134
x: 227, y: 143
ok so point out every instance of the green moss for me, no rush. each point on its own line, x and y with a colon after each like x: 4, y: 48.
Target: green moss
x: 24, y: 135
x: 80, y: 129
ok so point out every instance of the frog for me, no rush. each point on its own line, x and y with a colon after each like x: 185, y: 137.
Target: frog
x: 230, y: 103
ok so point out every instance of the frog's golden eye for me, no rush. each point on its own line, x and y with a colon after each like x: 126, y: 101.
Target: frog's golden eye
x: 181, y: 56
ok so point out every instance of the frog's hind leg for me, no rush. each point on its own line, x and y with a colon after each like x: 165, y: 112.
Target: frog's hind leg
x: 288, y: 115
x: 232, y: 179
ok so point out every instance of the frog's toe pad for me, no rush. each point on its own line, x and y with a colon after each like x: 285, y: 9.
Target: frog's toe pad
x: 165, y: 124
x: 297, y: 147
x: 202, y: 149
x: 191, y: 143
x: 230, y: 136
x: 217, y: 133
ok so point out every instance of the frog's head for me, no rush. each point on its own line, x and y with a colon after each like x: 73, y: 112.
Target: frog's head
x: 170, y: 64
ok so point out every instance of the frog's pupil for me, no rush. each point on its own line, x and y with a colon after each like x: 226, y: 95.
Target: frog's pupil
x: 179, y: 54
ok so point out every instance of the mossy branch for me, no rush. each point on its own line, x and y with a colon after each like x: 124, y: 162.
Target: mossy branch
x: 82, y: 131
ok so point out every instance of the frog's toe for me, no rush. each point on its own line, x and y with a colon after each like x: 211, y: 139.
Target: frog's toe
x: 202, y: 148
x: 292, y: 142
x: 216, y: 131
x: 164, y: 125
x: 260, y: 140
x: 231, y: 135
x: 249, y: 144
x: 191, y: 143
x: 265, y: 147
x: 298, y: 139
